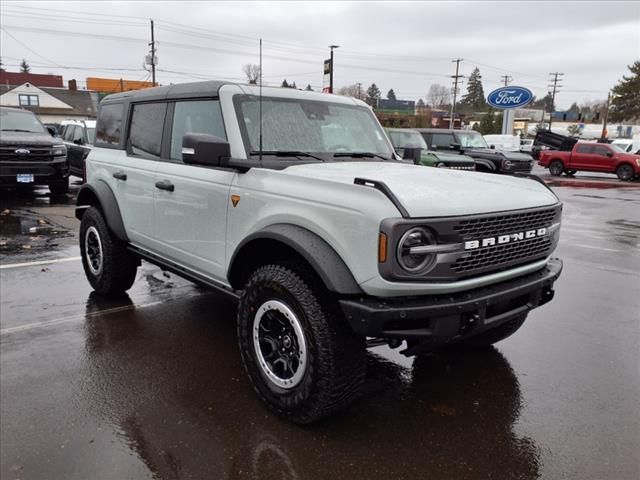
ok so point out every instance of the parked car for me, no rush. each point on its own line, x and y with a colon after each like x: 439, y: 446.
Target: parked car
x: 629, y: 145
x: 29, y: 153
x: 324, y: 236
x: 592, y: 157
x: 54, y: 128
x: 505, y: 143
x: 404, y: 138
x: 78, y: 137
x: 471, y: 143
x: 526, y: 145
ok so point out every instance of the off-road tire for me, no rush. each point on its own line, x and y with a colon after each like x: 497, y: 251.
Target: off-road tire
x: 556, y: 168
x: 59, y: 187
x: 625, y: 172
x: 336, y: 356
x: 494, y: 335
x: 119, y: 265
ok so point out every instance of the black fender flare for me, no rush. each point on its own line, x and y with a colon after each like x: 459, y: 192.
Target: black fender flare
x: 317, y: 252
x: 100, y: 194
x: 488, y: 164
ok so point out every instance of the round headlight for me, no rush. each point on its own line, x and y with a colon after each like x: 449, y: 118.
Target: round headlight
x: 410, y: 257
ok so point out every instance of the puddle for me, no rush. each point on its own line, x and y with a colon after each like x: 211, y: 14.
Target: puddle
x: 22, y: 230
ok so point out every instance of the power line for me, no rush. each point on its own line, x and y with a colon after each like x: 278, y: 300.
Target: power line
x: 556, y: 78
x: 455, y: 77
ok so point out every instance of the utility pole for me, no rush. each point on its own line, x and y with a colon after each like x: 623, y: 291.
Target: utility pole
x: 359, y: 91
x: 455, y: 90
x: 507, y: 80
x: 153, y: 57
x: 606, y: 118
x: 331, y: 47
x: 556, y: 78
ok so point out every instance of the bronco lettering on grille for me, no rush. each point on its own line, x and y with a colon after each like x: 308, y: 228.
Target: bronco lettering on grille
x: 502, y: 239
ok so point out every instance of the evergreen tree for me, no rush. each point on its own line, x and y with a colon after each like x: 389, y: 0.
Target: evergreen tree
x: 574, y: 108
x: 474, y: 98
x: 625, y: 105
x: 284, y: 84
x: 391, y: 95
x: 373, y: 95
x: 24, y: 66
x: 420, y: 103
x: 485, y: 127
x: 293, y: 85
x: 309, y: 89
x: 546, y: 103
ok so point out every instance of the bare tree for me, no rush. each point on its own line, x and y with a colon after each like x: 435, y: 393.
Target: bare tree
x: 438, y: 96
x: 252, y: 72
x: 355, y: 91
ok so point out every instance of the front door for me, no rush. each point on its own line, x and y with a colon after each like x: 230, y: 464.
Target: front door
x: 191, y: 201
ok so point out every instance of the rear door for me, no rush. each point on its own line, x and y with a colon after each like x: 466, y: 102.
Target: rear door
x: 191, y: 217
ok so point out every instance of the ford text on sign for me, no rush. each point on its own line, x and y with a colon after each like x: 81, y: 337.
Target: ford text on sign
x: 510, y: 97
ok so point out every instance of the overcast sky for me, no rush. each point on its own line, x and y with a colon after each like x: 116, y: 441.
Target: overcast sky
x: 406, y: 46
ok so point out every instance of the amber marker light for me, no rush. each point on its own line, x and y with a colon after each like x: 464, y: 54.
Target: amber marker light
x: 382, y: 248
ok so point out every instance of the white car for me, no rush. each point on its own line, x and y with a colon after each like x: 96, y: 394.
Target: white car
x: 629, y: 145
x: 295, y: 204
x: 505, y: 143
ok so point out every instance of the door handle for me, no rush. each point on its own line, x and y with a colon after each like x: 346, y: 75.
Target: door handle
x: 165, y: 185
x: 120, y: 175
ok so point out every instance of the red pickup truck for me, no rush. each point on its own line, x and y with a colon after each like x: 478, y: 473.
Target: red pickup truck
x: 592, y: 157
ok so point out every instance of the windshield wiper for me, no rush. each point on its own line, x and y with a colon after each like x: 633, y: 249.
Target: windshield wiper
x: 287, y: 153
x: 359, y: 155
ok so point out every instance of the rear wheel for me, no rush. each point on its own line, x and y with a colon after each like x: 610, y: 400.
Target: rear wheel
x: 625, y: 172
x: 108, y: 265
x: 303, y: 359
x: 556, y: 168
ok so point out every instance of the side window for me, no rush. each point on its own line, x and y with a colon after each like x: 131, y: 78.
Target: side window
x: 197, y: 116
x: 584, y: 148
x: 442, y: 140
x: 109, y: 125
x: 145, y: 133
x: 68, y: 132
x: 78, y: 133
x: 601, y: 150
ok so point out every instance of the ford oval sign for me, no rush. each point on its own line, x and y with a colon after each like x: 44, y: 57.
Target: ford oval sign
x: 510, y: 97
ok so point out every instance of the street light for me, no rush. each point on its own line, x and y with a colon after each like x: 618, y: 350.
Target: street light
x: 331, y: 72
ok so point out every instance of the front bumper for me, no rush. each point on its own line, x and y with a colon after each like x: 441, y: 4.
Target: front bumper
x: 43, y: 172
x: 441, y: 319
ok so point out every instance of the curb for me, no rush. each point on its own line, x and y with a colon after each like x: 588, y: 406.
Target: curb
x: 590, y: 183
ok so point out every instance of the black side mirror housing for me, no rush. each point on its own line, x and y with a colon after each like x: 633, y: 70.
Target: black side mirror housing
x: 78, y: 141
x: 455, y: 146
x: 52, y: 131
x: 204, y: 149
x: 610, y: 154
x: 411, y: 153
x: 492, y: 147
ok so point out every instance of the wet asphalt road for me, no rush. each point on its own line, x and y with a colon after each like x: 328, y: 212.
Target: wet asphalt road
x: 151, y: 385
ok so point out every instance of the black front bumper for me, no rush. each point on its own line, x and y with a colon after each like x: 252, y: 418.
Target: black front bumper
x: 44, y: 172
x: 441, y: 319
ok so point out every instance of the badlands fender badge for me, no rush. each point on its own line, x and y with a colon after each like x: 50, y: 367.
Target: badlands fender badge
x: 504, y: 239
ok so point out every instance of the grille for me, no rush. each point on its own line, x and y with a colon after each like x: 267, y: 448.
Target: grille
x: 497, y: 256
x: 461, y: 166
x: 494, y: 257
x: 37, y: 153
x: 504, y: 224
x: 521, y: 167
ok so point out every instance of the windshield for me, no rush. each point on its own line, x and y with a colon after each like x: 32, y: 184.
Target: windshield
x: 471, y: 140
x: 14, y: 121
x: 618, y: 147
x: 91, y: 135
x: 406, y: 138
x: 309, y: 126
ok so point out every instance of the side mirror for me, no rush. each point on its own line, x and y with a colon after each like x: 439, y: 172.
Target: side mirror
x: 412, y: 153
x: 609, y: 154
x: 492, y: 147
x: 52, y: 131
x: 78, y: 141
x: 455, y: 146
x: 204, y: 149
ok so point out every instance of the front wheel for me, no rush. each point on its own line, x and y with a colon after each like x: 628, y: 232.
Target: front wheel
x: 625, y: 172
x: 556, y: 168
x: 301, y: 356
x: 108, y: 265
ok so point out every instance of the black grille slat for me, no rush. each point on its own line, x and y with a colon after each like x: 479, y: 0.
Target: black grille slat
x: 504, y: 224
x: 499, y: 255
x: 36, y: 153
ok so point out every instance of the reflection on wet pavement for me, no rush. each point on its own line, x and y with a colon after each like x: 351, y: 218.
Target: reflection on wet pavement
x: 188, y: 412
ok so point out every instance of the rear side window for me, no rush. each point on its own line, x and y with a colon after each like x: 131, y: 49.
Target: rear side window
x: 198, y: 116
x: 109, y: 126
x: 442, y: 140
x: 584, y: 149
x: 145, y: 133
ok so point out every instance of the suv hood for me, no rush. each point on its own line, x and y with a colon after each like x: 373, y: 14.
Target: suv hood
x: 437, y: 192
x: 25, y: 138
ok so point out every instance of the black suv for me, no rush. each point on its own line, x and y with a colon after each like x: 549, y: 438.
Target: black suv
x: 78, y: 136
x: 29, y: 154
x: 473, y: 144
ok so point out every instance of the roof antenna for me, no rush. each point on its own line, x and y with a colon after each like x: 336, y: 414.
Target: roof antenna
x: 260, y: 101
